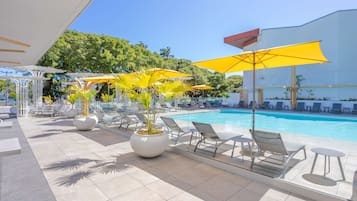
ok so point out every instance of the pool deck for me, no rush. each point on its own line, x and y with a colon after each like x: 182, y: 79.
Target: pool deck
x: 60, y: 163
x: 299, y: 174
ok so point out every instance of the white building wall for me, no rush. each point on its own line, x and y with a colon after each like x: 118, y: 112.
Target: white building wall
x: 337, y: 33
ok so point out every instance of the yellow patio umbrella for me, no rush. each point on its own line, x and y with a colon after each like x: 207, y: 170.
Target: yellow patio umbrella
x: 290, y: 55
x: 99, y: 79
x: 167, y: 74
x: 201, y: 87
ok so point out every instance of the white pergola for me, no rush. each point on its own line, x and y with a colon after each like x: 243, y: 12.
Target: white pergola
x: 22, y: 95
x: 37, y: 78
x: 28, y: 30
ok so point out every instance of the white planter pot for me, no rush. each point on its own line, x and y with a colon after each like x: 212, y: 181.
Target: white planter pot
x: 149, y: 146
x: 70, y: 113
x: 85, y: 123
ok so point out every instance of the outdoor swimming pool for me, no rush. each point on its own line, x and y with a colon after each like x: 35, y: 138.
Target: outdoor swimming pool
x: 342, y: 128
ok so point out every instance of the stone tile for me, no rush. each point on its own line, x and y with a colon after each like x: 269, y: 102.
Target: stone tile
x: 164, y: 189
x: 258, y: 188
x: 245, y: 195
x: 185, y: 197
x: 139, y: 194
x: 219, y: 188
x: 275, y: 195
x: 90, y: 193
x: 143, y: 176
x: 120, y: 185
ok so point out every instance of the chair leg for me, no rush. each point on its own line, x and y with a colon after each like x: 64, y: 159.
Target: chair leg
x: 177, y: 138
x: 305, y: 153
x: 197, y: 145
x: 252, y: 163
x: 215, y: 151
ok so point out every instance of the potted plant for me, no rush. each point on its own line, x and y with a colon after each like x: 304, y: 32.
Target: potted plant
x: 71, y: 98
x: 83, y: 92
x: 145, y: 87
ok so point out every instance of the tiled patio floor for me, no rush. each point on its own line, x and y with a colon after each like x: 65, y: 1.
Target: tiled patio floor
x: 100, y: 165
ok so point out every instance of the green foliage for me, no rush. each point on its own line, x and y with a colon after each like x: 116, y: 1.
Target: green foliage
x: 145, y: 86
x: 234, y: 83
x: 84, y: 93
x: 48, y: 100
x: 72, y: 98
x: 81, y: 52
x: 107, y: 98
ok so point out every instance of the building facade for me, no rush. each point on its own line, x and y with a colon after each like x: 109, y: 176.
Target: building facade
x: 333, y: 81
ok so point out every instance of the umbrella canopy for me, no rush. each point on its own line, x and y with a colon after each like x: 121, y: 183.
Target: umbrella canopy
x: 167, y: 74
x: 291, y: 55
x: 201, y: 87
x: 99, y: 79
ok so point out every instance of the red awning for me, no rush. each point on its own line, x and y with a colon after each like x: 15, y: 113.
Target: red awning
x: 242, y: 39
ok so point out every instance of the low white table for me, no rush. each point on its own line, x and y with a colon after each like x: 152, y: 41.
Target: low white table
x: 328, y: 153
x: 242, y: 140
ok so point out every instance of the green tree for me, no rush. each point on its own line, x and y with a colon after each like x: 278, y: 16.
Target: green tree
x: 82, y: 52
x: 234, y: 83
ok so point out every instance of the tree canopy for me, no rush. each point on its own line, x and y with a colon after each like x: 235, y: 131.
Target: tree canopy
x: 82, y: 52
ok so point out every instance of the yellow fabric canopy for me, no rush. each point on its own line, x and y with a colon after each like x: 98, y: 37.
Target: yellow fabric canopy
x: 201, y: 87
x: 291, y: 55
x: 160, y: 73
x: 99, y: 79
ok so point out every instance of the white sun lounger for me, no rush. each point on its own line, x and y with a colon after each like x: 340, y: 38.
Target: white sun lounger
x: 5, y: 124
x: 9, y: 147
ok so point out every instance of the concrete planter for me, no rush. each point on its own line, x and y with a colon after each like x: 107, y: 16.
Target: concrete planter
x: 70, y: 113
x: 149, y: 146
x: 85, y: 123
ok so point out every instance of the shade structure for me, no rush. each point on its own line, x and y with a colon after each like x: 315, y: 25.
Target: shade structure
x: 201, y: 87
x: 158, y: 73
x: 168, y: 74
x: 290, y: 55
x: 99, y: 79
x: 30, y: 28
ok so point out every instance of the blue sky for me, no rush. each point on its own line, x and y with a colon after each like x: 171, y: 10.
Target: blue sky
x: 194, y: 29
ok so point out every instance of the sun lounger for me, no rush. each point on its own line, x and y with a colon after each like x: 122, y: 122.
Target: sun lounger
x: 175, y: 129
x: 271, y: 142
x: 169, y: 107
x: 300, y: 106
x: 336, y: 108
x: 241, y: 104
x: 209, y: 135
x: 279, y: 105
x: 354, y: 187
x: 316, y: 107
x: 354, y: 110
x: 5, y: 124
x: 251, y: 104
x: 266, y: 105
x: 124, y: 120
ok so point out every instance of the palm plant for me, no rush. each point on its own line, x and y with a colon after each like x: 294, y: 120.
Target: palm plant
x: 145, y: 86
x: 83, y: 92
x: 72, y: 98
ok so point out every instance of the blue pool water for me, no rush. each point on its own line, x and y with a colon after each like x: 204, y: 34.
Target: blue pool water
x: 342, y: 128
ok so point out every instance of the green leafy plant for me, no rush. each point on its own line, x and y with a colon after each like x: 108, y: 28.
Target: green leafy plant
x: 83, y: 92
x: 48, y: 100
x: 145, y: 86
x: 72, y: 98
x: 107, y: 98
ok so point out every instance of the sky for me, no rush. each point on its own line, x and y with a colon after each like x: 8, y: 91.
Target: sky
x: 194, y: 29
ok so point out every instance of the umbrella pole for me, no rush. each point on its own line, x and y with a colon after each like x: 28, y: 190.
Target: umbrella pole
x: 253, y: 105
